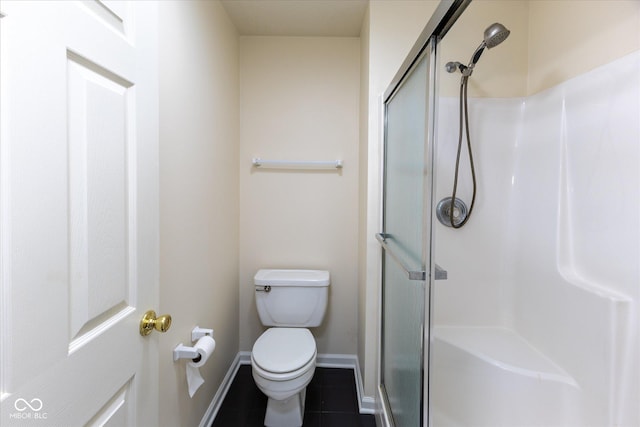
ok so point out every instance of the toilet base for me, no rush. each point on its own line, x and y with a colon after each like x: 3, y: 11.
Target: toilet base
x: 286, y: 413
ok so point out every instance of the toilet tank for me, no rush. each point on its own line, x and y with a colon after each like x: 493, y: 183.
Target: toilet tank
x: 291, y: 298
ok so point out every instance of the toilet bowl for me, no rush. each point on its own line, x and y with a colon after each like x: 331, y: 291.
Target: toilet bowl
x: 283, y: 358
x: 283, y: 362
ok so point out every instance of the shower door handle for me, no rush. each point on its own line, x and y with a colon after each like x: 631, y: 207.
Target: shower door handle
x: 440, y: 274
x: 412, y: 274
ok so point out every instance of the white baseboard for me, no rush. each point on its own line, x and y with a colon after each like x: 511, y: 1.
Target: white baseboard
x: 218, y: 398
x: 245, y: 357
x: 366, y: 404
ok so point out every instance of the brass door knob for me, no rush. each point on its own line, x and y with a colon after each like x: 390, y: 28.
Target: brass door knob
x: 149, y: 322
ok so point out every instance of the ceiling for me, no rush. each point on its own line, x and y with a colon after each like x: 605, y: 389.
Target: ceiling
x: 325, y: 18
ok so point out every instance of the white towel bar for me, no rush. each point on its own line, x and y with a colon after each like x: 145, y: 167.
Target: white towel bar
x: 296, y: 164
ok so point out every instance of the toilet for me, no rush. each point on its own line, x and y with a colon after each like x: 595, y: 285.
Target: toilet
x: 283, y: 358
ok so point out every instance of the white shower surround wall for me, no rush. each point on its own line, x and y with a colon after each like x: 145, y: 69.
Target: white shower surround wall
x: 548, y: 266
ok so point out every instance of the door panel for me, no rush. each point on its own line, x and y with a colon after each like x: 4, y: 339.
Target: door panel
x: 78, y: 212
x: 99, y: 220
x: 406, y: 240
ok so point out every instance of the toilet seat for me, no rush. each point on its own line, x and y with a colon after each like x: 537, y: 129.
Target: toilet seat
x: 287, y: 376
x: 282, y: 352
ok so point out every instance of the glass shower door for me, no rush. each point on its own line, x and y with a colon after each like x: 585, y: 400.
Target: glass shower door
x: 406, y: 246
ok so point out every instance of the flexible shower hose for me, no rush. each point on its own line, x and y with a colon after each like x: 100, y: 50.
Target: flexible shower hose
x: 464, y: 117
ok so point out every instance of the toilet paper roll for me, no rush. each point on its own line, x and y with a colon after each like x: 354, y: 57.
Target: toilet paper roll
x: 205, y: 347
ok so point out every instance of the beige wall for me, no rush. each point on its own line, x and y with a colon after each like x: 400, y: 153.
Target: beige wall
x: 198, y: 196
x: 389, y: 31
x: 299, y: 100
x: 569, y: 38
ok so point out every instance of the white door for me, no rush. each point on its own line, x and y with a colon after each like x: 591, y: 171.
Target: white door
x: 78, y: 212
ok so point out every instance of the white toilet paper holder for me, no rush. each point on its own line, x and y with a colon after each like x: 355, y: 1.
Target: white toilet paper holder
x: 199, y: 332
x: 183, y: 352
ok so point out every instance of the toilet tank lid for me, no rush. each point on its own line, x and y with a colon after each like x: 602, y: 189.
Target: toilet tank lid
x: 268, y: 277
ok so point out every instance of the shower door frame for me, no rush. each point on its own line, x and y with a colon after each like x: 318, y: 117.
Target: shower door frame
x: 443, y: 18
x: 417, y: 276
x: 421, y: 276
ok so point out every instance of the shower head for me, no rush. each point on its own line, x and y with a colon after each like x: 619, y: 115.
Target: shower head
x: 495, y: 34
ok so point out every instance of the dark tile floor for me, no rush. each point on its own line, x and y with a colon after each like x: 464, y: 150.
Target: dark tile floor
x: 331, y: 401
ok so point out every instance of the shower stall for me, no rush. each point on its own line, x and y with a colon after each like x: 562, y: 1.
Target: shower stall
x: 517, y: 305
